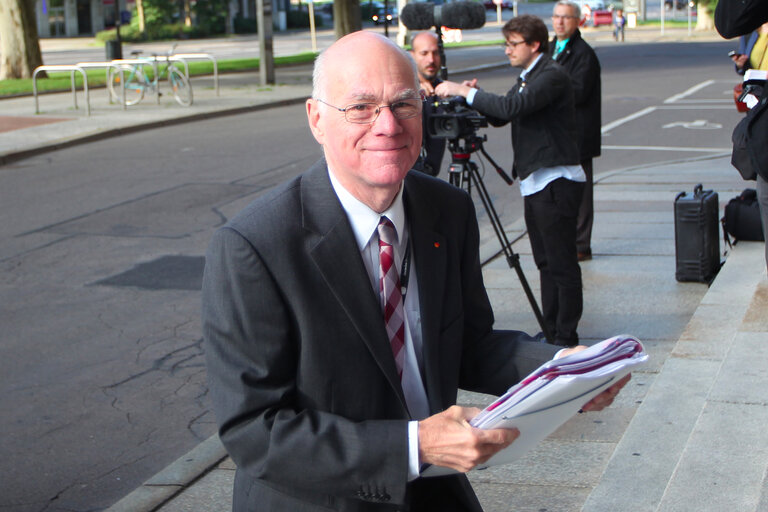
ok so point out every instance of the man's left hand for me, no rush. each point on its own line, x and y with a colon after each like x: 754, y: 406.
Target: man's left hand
x: 447, y: 89
x: 605, y: 398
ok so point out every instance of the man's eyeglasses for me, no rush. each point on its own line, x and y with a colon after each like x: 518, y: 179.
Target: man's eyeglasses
x: 511, y: 44
x: 364, y: 113
x: 564, y: 17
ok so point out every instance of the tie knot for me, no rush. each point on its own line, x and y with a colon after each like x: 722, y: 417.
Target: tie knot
x: 386, y: 231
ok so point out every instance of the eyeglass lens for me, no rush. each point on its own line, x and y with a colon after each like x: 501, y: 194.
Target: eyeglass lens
x: 368, y: 112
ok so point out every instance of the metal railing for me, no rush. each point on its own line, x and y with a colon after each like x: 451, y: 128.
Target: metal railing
x: 72, y: 70
x: 119, y: 66
x: 191, y: 56
x: 106, y: 66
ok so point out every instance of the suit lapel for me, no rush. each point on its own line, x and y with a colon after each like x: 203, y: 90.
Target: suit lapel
x: 429, y: 253
x: 335, y: 253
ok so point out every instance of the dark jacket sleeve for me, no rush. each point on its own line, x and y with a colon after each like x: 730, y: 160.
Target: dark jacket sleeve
x: 267, y: 422
x: 536, y: 95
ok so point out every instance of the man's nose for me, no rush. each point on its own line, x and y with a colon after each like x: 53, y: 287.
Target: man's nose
x: 386, y: 122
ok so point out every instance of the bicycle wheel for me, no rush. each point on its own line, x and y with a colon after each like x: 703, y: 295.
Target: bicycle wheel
x: 133, y: 86
x: 182, y: 90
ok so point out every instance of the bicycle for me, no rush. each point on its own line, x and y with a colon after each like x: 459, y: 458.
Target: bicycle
x: 134, y: 82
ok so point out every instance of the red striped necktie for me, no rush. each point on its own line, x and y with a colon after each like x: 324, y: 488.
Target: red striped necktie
x: 391, y: 294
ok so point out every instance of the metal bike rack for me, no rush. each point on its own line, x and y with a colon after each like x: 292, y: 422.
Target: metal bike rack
x: 146, y: 61
x: 208, y: 56
x: 106, y: 66
x: 72, y: 70
x: 171, y: 59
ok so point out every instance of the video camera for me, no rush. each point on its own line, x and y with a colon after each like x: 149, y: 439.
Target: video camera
x: 451, y: 118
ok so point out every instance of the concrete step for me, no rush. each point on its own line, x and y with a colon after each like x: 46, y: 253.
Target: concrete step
x: 699, y: 439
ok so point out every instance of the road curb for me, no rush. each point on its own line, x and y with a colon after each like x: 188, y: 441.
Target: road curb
x: 13, y: 156
x: 172, y: 480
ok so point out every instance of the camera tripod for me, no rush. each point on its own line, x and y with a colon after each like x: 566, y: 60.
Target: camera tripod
x: 463, y: 173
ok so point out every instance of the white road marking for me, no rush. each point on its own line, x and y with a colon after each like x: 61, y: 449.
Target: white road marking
x: 610, y: 126
x: 669, y: 148
x: 690, y: 91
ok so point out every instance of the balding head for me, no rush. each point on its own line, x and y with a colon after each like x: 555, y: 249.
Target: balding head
x: 360, y: 72
x: 342, y: 52
x: 426, y: 53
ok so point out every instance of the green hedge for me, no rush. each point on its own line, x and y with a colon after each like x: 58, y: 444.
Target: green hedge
x: 154, y: 33
x: 300, y: 19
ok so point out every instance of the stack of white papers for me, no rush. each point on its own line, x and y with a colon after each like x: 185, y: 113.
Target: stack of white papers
x: 557, y: 390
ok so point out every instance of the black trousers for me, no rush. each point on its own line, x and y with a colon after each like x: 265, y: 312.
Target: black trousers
x: 550, y: 216
x: 586, y: 212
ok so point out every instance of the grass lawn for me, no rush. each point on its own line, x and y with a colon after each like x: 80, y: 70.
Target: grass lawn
x: 60, y: 81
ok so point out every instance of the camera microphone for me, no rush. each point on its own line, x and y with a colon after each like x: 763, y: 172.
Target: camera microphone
x: 461, y: 15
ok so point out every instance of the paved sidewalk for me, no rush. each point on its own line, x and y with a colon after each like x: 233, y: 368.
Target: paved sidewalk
x: 688, y: 432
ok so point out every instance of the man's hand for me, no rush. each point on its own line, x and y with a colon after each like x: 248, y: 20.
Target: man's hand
x: 427, y: 87
x: 605, y: 398
x: 447, y: 439
x: 470, y: 83
x: 740, y: 60
x: 447, y: 89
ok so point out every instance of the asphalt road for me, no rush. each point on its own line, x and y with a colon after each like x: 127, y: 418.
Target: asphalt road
x: 101, y: 369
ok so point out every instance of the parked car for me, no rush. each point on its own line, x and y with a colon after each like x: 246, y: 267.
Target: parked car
x: 388, y: 16
x: 505, y: 4
x: 595, y: 5
x: 602, y: 17
x: 679, y: 4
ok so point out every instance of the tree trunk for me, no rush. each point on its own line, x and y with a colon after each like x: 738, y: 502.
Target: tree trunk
x: 704, y: 20
x: 346, y: 17
x: 19, y: 43
x: 140, y: 14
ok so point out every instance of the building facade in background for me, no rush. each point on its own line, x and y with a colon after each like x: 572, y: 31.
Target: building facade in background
x: 72, y: 18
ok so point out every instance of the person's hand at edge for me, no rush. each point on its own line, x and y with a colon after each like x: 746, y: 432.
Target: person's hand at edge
x: 447, y: 89
x: 447, y: 439
x: 605, y: 398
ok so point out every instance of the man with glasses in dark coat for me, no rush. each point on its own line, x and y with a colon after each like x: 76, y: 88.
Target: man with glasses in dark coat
x: 579, y: 60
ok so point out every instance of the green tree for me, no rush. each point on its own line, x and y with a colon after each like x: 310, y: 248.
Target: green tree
x: 211, y: 16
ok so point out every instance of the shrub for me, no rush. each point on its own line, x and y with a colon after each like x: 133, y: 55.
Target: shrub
x: 243, y: 25
x: 300, y: 19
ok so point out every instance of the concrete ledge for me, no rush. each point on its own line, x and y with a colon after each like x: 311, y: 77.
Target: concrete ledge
x: 174, y: 478
x: 697, y: 442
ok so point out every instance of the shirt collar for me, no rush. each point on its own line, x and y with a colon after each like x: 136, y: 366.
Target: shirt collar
x: 560, y: 45
x: 530, y: 67
x: 363, y: 219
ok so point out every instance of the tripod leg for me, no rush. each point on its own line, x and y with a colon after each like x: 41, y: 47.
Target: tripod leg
x: 513, y: 259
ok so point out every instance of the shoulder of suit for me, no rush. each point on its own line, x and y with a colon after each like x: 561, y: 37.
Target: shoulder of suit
x: 274, y: 207
x: 428, y: 188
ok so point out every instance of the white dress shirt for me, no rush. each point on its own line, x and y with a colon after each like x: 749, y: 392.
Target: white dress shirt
x: 364, y: 222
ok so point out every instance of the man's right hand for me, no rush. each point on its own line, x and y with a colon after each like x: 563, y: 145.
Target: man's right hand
x: 447, y: 439
x: 740, y: 60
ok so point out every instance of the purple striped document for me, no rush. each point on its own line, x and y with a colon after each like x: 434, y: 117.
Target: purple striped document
x: 552, y: 394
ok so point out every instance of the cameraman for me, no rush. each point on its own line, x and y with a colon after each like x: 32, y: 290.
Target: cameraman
x: 541, y: 111
x: 426, y: 54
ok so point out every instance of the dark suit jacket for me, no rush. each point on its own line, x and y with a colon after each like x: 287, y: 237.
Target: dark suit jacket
x: 542, y: 118
x: 580, y: 62
x: 301, y: 375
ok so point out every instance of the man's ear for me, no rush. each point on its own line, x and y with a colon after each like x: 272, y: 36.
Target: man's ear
x: 313, y: 115
x: 536, y: 46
